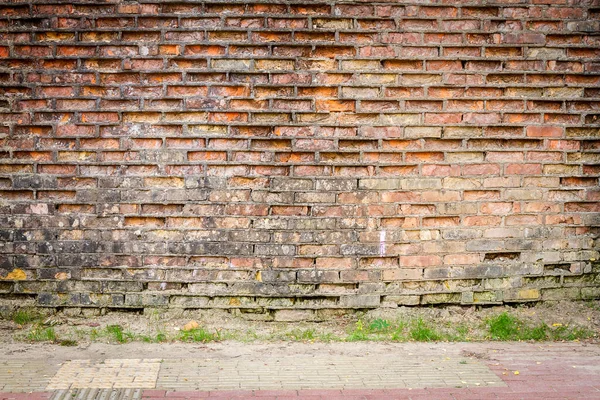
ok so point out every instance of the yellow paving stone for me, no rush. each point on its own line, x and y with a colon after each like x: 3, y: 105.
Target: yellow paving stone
x: 110, y: 373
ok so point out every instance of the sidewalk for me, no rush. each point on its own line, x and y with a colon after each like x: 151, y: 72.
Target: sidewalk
x: 302, y: 371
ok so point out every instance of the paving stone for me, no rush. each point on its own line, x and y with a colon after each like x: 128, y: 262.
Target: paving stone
x: 25, y: 376
x: 405, y: 371
x: 341, y: 372
x: 98, y: 394
x: 106, y: 374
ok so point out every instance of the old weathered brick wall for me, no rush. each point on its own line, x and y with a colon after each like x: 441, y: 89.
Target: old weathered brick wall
x: 292, y: 158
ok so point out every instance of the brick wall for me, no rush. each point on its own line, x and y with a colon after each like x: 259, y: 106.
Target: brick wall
x: 291, y: 158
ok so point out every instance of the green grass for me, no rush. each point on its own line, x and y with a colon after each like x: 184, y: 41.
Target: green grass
x: 507, y: 327
x: 359, y: 333
x: 199, y: 335
x: 245, y: 336
x: 302, y: 335
x: 116, y: 333
x: 158, y: 338
x: 398, y: 333
x: 67, y: 342
x: 94, y: 334
x: 421, y: 331
x: 459, y: 333
x: 24, y: 316
x: 328, y: 337
x: 376, y: 329
x: 538, y: 333
x: 564, y: 332
x: 41, y: 334
x: 504, y: 327
x: 379, y: 325
x: 501, y: 327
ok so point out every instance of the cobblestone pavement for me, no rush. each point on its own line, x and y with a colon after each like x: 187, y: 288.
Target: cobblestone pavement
x: 297, y: 371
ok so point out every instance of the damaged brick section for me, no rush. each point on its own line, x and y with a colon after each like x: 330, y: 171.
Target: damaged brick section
x: 294, y: 160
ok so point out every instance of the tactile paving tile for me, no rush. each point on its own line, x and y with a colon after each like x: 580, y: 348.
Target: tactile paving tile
x: 98, y: 394
x: 107, y: 374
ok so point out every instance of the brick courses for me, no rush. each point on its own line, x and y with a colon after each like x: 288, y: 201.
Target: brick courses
x: 288, y: 158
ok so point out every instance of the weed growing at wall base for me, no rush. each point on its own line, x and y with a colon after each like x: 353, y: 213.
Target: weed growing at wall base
x: 41, y: 334
x: 502, y: 326
x: 199, y: 335
x: 507, y: 327
x: 24, y: 316
x: 421, y: 331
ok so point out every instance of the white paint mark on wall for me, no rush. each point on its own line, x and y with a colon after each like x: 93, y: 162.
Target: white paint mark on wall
x: 382, y: 243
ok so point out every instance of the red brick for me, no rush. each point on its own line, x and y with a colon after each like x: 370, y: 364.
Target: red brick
x: 442, y: 118
x: 335, y: 105
x: 289, y: 210
x: 482, y: 221
x: 234, y: 128
x: 441, y: 221
x: 523, y: 169
x: 420, y: 261
x: 545, y: 131
x: 481, y: 169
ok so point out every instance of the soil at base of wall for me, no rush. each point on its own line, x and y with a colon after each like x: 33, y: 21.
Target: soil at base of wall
x: 223, y: 325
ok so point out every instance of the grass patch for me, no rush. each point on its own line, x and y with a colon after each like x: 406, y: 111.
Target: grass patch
x: 158, y: 338
x: 507, y: 327
x: 24, y: 316
x: 309, y: 335
x: 67, y: 342
x: 329, y: 337
x: 94, y: 334
x: 380, y: 325
x: 504, y: 327
x: 248, y: 336
x: 398, y: 333
x: 199, y: 335
x: 359, y: 333
x: 116, y: 333
x: 302, y: 335
x: 460, y: 333
x: 420, y: 331
x: 565, y: 332
x: 538, y: 333
x: 41, y: 334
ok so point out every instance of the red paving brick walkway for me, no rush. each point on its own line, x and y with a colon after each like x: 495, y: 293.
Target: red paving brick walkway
x: 506, y: 371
